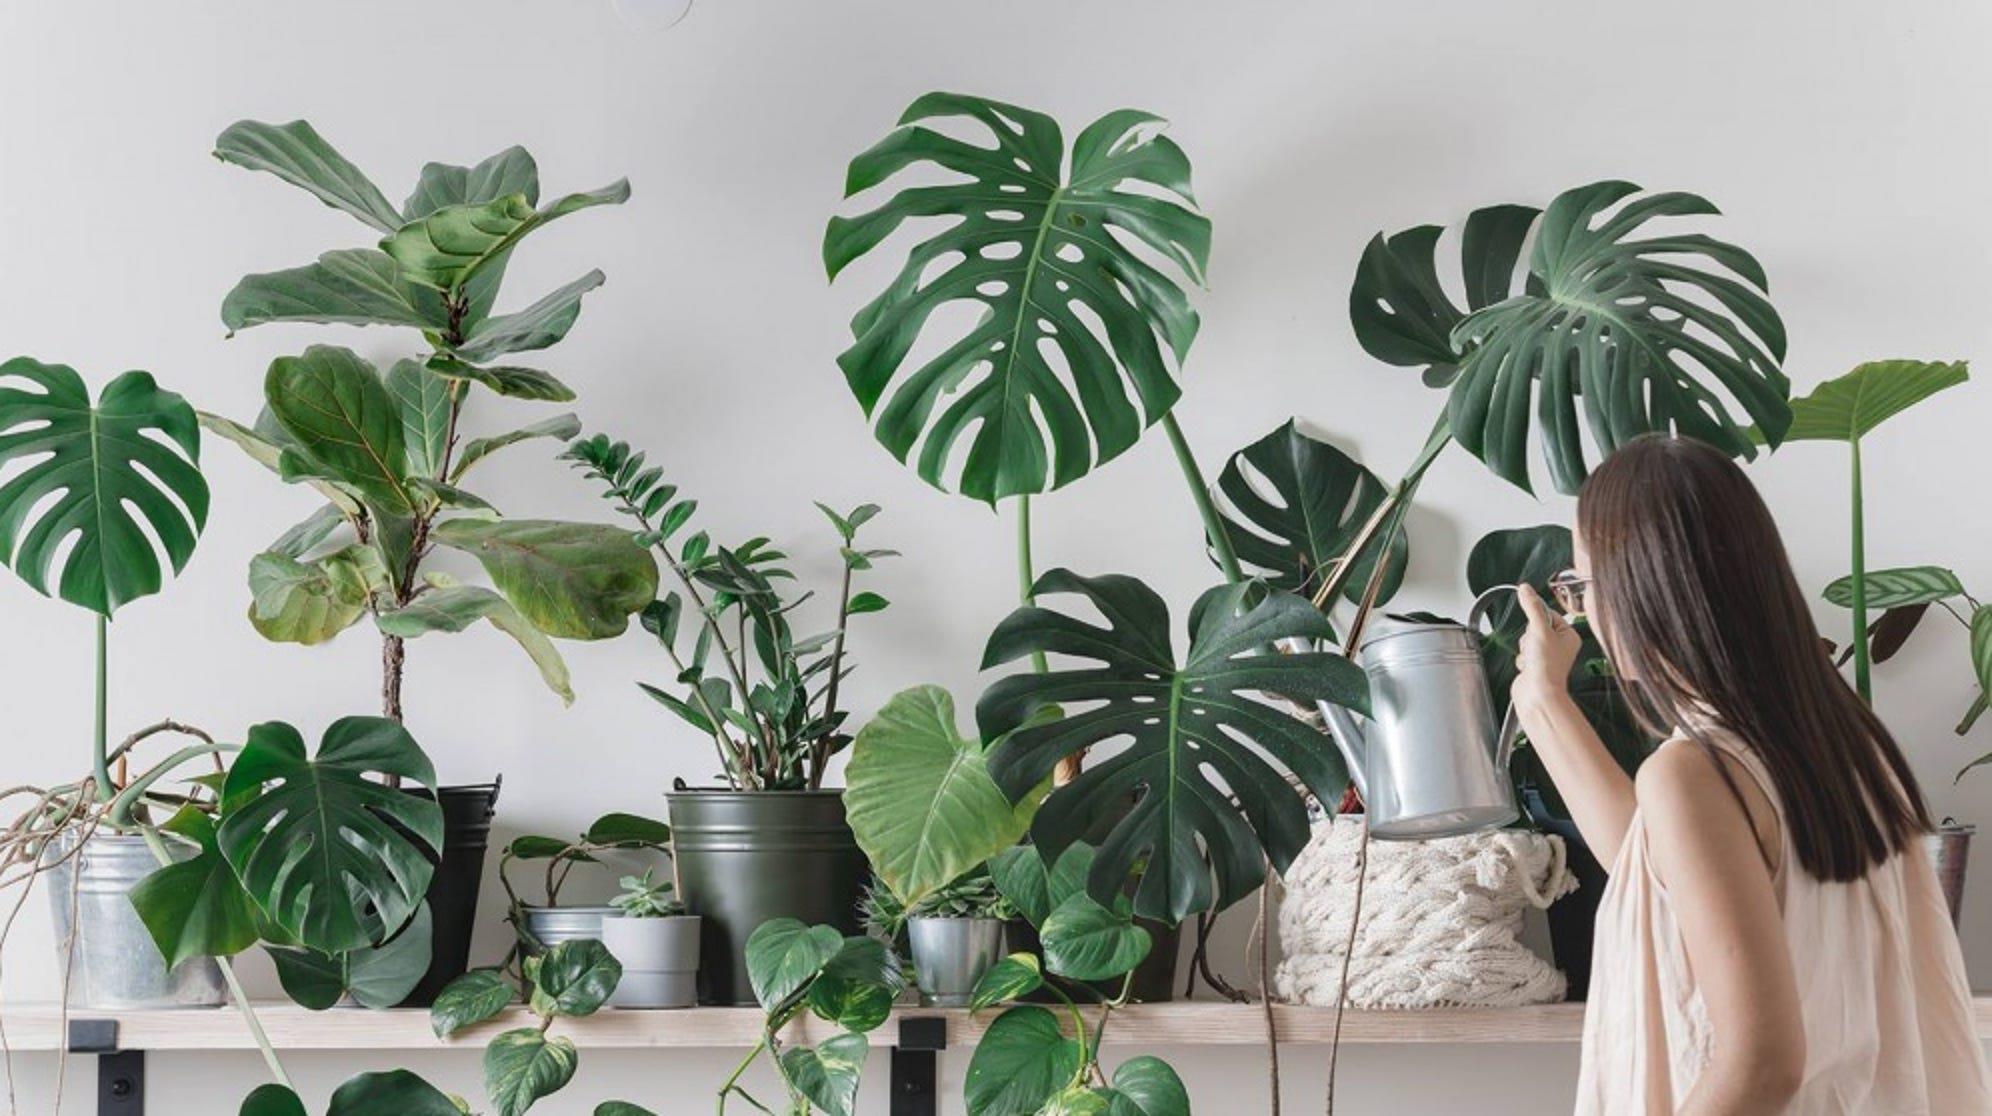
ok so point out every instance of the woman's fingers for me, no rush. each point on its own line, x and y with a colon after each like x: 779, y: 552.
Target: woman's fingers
x: 1533, y: 607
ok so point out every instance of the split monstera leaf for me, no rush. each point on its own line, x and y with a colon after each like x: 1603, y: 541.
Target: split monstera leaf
x: 384, y: 448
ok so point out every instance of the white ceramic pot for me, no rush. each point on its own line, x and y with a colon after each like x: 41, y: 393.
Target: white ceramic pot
x: 660, y: 960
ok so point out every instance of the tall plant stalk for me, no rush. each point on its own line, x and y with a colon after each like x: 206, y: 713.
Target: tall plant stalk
x: 1027, y: 575
x: 1214, y: 529
x: 1859, y: 560
x: 100, y: 751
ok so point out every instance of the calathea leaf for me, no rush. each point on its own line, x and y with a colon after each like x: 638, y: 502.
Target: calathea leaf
x: 350, y: 286
x: 320, y: 845
x: 571, y: 580
x: 1043, y: 250
x: 345, y: 423
x: 522, y: 1066
x: 450, y: 245
x: 195, y: 907
x: 511, y: 171
x: 296, y: 153
x: 828, y: 1073
x: 104, y: 492
x: 515, y: 383
x: 1899, y: 587
x: 453, y: 608
x: 1023, y: 1060
x: 560, y: 427
x: 1293, y: 505
x: 542, y: 324
x: 920, y: 800
x: 1186, y: 723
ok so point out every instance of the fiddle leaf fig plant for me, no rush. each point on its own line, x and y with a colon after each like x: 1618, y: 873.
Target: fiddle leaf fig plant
x: 1643, y: 329
x: 386, y: 448
x: 1189, y: 723
x: 1039, y: 233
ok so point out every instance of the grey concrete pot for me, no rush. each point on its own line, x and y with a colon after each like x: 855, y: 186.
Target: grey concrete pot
x: 660, y: 961
x: 951, y: 954
x: 113, y: 963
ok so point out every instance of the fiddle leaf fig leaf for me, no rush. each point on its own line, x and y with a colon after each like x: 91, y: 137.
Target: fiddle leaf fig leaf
x: 349, y: 286
x: 296, y: 153
x: 1293, y: 505
x: 560, y: 427
x: 1023, y: 1060
x: 920, y: 800
x: 512, y: 382
x: 542, y: 324
x: 321, y: 845
x: 423, y: 400
x: 346, y: 425
x: 1043, y: 250
x: 194, y: 907
x: 265, y: 446
x: 108, y: 494
x: 571, y: 580
x: 523, y: 1066
x: 1187, y: 725
x: 1899, y: 587
x: 454, y: 608
x: 447, y: 247
x: 1851, y: 406
x: 511, y: 171
x: 470, y: 999
x: 310, y: 602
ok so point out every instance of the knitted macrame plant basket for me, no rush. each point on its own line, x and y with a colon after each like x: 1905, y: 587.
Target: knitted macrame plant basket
x: 1441, y: 920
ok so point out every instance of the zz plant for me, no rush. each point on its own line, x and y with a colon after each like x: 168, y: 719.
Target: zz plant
x: 387, y: 449
x: 767, y: 699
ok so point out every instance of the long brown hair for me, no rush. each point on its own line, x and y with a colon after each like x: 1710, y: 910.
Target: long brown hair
x: 1703, y: 617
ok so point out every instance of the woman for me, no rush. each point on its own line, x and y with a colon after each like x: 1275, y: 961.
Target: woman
x: 1772, y: 938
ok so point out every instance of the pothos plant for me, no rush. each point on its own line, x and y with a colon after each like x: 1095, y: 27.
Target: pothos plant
x: 615, y: 832
x: 767, y: 698
x: 386, y: 449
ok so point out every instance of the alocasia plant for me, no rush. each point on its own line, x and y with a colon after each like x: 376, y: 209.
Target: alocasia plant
x: 386, y: 448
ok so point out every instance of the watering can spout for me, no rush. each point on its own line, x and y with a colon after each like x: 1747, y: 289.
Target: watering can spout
x: 1353, y: 745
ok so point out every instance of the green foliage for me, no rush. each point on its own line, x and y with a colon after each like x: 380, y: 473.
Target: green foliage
x: 1294, y: 505
x: 572, y: 978
x: 1899, y: 588
x: 1032, y: 243
x: 320, y: 845
x: 850, y: 982
x: 766, y: 698
x: 106, y: 491
x: 1851, y: 406
x: 470, y: 999
x: 1084, y: 940
x: 618, y: 832
x: 1184, y: 723
x: 920, y: 800
x: 642, y: 897
x: 1021, y: 1062
x: 377, y: 977
x: 522, y: 1066
x: 1011, y: 978
x: 827, y: 1074
x: 195, y: 907
x: 571, y: 580
x: 1637, y: 327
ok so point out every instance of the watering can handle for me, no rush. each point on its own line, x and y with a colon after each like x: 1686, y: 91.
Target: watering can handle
x: 1511, y: 726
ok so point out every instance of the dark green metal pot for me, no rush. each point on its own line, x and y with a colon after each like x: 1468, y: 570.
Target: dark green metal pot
x: 744, y: 857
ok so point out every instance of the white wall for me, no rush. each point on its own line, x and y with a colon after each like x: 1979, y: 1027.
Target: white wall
x: 1844, y: 140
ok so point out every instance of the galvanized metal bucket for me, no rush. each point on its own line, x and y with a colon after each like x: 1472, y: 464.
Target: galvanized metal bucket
x: 1950, y: 848
x: 113, y: 963
x: 951, y: 954
x: 550, y: 926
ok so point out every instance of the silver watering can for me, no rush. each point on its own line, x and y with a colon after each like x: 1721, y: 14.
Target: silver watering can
x: 1432, y: 762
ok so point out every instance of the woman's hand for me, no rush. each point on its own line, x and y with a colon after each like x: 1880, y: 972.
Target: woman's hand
x: 1547, y: 652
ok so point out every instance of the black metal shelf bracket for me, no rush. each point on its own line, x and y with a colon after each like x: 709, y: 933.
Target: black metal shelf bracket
x: 120, y: 1073
x: 916, y: 1065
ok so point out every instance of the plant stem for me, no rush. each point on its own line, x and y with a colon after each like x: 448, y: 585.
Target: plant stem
x: 1214, y: 529
x: 1026, y: 573
x: 733, y: 1081
x: 819, y: 753
x: 105, y: 791
x: 1859, y: 579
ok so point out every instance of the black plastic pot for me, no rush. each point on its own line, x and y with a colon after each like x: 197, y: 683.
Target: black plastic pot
x: 1574, y: 918
x: 744, y: 857
x: 467, y: 812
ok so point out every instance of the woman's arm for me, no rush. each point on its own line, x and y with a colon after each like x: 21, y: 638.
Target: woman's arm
x: 1592, y: 784
x: 1705, y: 850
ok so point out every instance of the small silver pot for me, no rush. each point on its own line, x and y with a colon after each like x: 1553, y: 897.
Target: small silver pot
x: 114, y: 964
x: 660, y: 960
x: 1950, y: 848
x: 951, y: 954
x: 550, y: 926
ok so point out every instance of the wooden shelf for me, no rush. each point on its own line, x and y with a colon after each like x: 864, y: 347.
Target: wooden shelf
x: 39, y: 1027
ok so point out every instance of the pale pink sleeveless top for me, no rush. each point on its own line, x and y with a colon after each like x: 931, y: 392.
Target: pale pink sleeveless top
x: 1882, y: 988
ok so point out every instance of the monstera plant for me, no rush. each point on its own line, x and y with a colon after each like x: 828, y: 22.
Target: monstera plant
x: 1078, y: 339
x: 1209, y: 750
x: 386, y: 450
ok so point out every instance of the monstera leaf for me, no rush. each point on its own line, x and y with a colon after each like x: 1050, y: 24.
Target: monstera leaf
x: 105, y: 491
x: 1293, y: 505
x: 1189, y: 725
x: 920, y: 800
x: 1044, y: 251
x: 195, y: 907
x: 1642, y: 329
x: 376, y: 977
x: 322, y: 846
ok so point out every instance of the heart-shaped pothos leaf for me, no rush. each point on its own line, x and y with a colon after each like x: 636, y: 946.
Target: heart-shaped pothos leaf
x: 1641, y: 330
x: 1063, y: 368
x: 107, y: 491
x: 1199, y: 734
